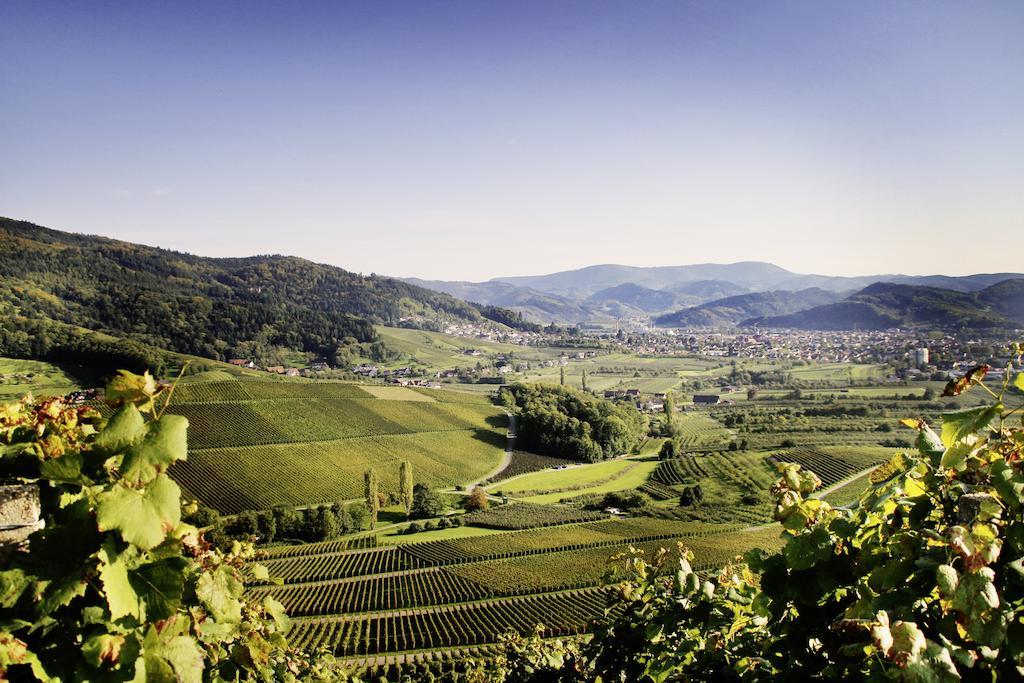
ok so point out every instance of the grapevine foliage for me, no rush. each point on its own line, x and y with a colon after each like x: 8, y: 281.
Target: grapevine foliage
x: 115, y: 586
x: 923, y: 580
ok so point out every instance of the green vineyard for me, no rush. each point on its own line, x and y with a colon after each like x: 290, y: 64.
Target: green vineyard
x: 678, y: 471
x: 320, y: 564
x: 835, y: 464
x: 700, y: 432
x: 400, y: 590
x: 465, y: 592
x: 257, y: 444
x: 528, y: 516
x: 564, y: 613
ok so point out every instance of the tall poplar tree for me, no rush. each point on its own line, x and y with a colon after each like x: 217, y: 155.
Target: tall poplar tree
x: 372, y: 501
x: 405, y: 486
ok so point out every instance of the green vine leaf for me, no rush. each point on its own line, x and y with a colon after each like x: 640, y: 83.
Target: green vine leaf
x: 165, y: 441
x: 219, y: 592
x: 124, y: 428
x: 172, y: 657
x: 145, y: 517
x: 805, y: 550
x: 1009, y: 483
x: 122, y: 600
x: 960, y: 424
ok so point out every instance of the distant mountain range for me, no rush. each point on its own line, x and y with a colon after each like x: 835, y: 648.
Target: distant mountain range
x: 884, y: 305
x: 734, y: 310
x: 727, y: 295
x: 56, y: 286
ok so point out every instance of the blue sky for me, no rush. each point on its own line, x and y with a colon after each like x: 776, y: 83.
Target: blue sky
x: 468, y: 140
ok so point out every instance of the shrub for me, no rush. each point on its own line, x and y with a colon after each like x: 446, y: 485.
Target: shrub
x: 477, y: 500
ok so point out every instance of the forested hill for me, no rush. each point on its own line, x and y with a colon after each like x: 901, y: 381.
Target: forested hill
x: 212, y: 307
x: 732, y: 310
x: 884, y: 305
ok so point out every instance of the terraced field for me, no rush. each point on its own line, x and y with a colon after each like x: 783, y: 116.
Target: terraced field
x: 256, y: 444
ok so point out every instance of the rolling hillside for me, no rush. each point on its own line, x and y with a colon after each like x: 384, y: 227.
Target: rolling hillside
x: 541, y: 307
x: 732, y: 310
x: 605, y: 292
x: 256, y: 444
x: 885, y: 305
x: 211, y: 307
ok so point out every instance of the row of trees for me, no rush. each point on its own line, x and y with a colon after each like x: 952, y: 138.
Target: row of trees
x: 418, y: 500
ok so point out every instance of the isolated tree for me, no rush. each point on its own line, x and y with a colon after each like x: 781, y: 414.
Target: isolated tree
x: 670, y: 449
x: 425, y: 503
x: 561, y: 376
x: 372, y: 499
x: 405, y: 485
x: 359, y: 514
x: 670, y: 407
x: 327, y: 524
x: 691, y: 495
x: 477, y: 500
x: 584, y: 379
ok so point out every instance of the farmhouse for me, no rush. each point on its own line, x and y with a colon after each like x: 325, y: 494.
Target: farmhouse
x: 705, y: 399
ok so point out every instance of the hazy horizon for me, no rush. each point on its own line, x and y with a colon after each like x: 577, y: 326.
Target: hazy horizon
x: 470, y: 141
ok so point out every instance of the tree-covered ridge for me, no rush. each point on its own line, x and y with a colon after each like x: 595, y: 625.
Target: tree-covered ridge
x: 884, y: 305
x: 733, y: 310
x: 566, y: 423
x: 203, y: 306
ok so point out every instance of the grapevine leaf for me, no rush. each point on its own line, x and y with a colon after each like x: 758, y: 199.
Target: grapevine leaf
x: 958, y: 452
x: 121, y: 597
x: 129, y: 388
x: 103, y: 649
x: 67, y: 469
x: 957, y: 386
x: 1018, y: 381
x: 928, y: 442
x: 1009, y: 483
x: 277, y: 613
x: 13, y: 583
x: 260, y: 572
x: 160, y: 584
x: 219, y: 591
x: 958, y: 425
x: 143, y: 517
x: 15, y: 652
x: 806, y: 550
x: 211, y: 631
x: 172, y: 658
x: 124, y: 429
x: 164, y: 443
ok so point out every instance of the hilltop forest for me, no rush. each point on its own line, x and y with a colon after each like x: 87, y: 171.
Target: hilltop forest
x: 55, y: 287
